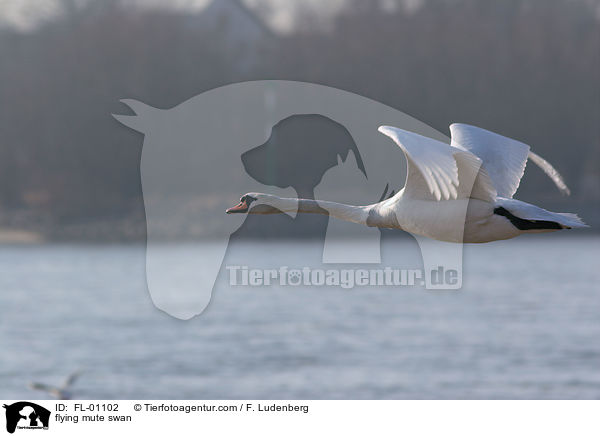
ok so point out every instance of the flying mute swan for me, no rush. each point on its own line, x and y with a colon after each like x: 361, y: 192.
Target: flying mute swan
x: 59, y: 392
x: 460, y: 192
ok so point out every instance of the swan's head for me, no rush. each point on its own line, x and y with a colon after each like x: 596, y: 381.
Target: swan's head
x: 245, y: 202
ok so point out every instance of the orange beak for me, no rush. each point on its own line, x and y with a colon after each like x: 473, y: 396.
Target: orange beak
x: 242, y: 207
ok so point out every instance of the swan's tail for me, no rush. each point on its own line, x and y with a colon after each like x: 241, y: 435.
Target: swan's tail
x: 525, y: 216
x: 572, y: 220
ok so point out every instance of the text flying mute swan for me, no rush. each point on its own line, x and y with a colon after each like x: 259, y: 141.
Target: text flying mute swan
x: 460, y: 192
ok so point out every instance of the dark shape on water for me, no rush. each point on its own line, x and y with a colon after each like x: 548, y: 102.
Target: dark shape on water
x: 59, y: 392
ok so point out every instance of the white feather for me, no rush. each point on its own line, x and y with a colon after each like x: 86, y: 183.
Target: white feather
x: 503, y: 158
x: 437, y: 171
x: 550, y: 172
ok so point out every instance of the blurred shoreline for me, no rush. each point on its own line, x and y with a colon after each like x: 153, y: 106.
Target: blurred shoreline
x: 27, y: 227
x: 131, y: 232
x: 70, y: 172
x: 14, y: 237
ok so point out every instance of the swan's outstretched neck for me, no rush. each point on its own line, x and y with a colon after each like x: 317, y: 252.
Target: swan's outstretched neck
x: 346, y: 212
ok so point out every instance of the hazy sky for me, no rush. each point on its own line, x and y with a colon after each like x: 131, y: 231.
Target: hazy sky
x: 24, y: 14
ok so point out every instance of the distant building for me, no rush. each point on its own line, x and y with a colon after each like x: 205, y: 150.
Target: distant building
x: 239, y: 24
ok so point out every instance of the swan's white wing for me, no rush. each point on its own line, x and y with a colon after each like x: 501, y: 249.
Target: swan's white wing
x: 437, y: 171
x: 71, y: 379
x: 503, y: 158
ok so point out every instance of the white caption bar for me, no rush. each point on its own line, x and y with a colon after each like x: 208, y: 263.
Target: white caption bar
x: 265, y: 417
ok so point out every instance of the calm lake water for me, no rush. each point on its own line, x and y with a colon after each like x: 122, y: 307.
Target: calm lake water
x: 525, y: 325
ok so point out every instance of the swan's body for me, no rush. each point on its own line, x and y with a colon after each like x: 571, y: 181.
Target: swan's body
x: 460, y: 192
